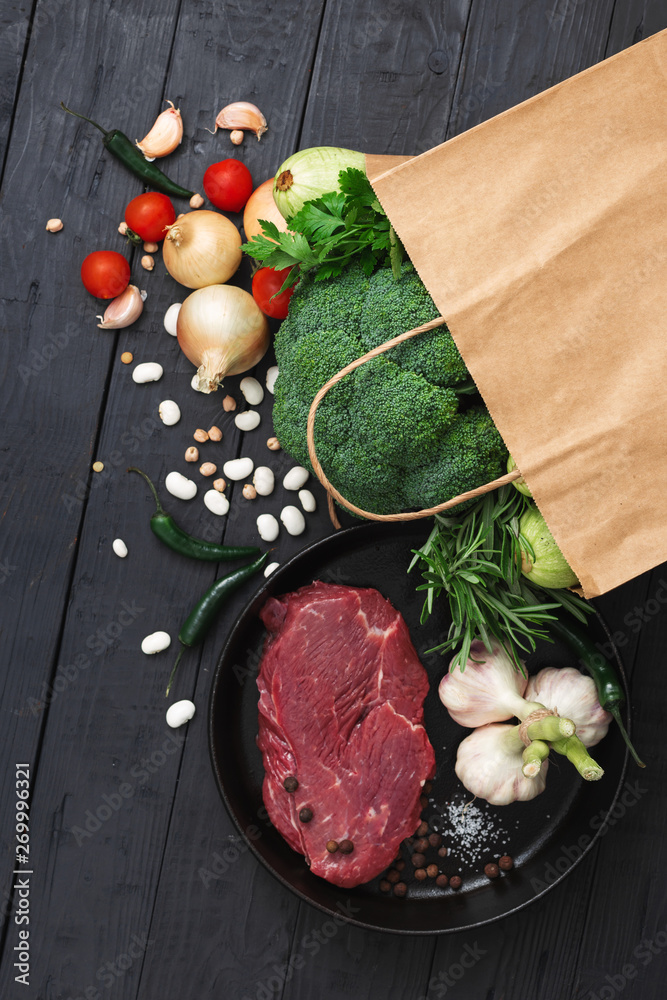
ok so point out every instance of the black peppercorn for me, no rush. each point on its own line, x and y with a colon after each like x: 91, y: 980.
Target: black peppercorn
x: 421, y: 844
x: 434, y: 839
x: 420, y: 874
x: 332, y: 846
x: 442, y: 881
x: 456, y: 881
x: 393, y: 876
x: 305, y: 814
x: 290, y: 784
x: 442, y: 852
x: 418, y: 860
x: 400, y: 864
x: 400, y: 889
x: 432, y: 871
x: 346, y: 847
x: 505, y: 863
x: 491, y: 870
x: 385, y: 886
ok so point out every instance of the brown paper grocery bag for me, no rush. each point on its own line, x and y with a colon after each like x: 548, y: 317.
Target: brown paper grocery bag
x: 542, y: 238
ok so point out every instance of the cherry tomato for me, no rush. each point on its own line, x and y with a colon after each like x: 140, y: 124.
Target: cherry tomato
x: 105, y: 274
x: 228, y: 185
x: 265, y: 283
x: 149, y: 214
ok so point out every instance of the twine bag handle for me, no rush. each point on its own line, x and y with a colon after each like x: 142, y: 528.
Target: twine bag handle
x: 333, y: 493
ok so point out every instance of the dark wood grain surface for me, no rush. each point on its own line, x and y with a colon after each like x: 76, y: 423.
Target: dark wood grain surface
x: 139, y: 904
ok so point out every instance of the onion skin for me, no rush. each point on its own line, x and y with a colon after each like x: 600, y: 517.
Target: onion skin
x: 202, y: 248
x: 310, y: 173
x: 261, y: 205
x: 222, y: 331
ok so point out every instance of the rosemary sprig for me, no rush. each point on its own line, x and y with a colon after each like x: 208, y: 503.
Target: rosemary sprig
x: 475, y: 559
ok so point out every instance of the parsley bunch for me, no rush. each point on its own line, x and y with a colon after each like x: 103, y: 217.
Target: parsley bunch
x: 329, y: 232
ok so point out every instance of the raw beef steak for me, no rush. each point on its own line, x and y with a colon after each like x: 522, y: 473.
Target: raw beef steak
x: 340, y: 710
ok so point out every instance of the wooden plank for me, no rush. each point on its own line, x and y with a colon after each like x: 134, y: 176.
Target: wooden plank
x: 15, y: 28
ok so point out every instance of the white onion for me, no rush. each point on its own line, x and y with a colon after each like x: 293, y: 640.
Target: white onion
x: 222, y: 331
x: 202, y: 248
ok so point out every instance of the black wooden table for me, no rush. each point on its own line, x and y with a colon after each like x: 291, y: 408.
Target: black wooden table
x: 127, y: 896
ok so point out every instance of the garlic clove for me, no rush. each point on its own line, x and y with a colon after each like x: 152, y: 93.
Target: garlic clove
x: 123, y: 310
x: 242, y: 115
x: 165, y: 136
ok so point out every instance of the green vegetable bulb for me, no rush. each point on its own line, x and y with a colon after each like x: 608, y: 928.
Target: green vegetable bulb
x: 309, y: 174
x: 542, y: 562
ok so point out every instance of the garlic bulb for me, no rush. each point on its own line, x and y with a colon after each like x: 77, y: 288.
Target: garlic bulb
x: 489, y: 764
x: 242, y: 115
x: 202, y: 248
x: 490, y: 689
x: 165, y: 135
x: 222, y: 331
x: 123, y: 310
x: 574, y: 695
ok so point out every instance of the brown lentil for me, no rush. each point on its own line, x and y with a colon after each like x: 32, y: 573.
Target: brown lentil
x: 393, y: 876
x: 290, y: 784
x: 420, y: 874
x: 127, y: 357
x: 346, y: 847
x: 418, y: 859
x: 432, y: 871
x: 505, y: 863
x: 434, y: 839
x: 491, y: 870
x: 422, y: 829
x: 442, y: 881
x: 332, y: 846
x: 385, y: 886
x: 456, y: 881
x: 305, y: 814
x: 400, y: 889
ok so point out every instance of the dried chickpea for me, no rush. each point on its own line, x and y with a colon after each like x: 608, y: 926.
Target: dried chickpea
x: 200, y: 435
x: 151, y: 248
x: 220, y: 485
x: 191, y: 454
x: 273, y: 444
x: 214, y: 433
x: 208, y: 469
x: 228, y: 404
x: 249, y: 491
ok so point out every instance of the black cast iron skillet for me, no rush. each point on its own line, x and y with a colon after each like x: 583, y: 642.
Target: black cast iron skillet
x: 546, y: 837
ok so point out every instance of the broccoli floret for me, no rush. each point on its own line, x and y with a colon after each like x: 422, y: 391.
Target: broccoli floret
x: 389, y: 435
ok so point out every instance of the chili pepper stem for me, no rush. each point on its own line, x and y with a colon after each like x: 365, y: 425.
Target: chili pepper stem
x: 577, y: 754
x: 533, y: 757
x: 614, y: 711
x: 552, y: 727
x: 173, y: 670
x: 160, y: 508
x: 77, y: 115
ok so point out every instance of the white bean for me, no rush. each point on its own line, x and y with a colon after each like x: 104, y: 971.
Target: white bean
x: 169, y: 412
x: 268, y: 527
x: 271, y: 568
x: 295, y: 478
x: 216, y: 502
x: 252, y: 390
x: 293, y: 519
x: 155, y: 642
x: 179, y: 713
x: 171, y: 318
x: 147, y: 371
x: 264, y: 480
x: 308, y: 501
x: 271, y: 376
x: 248, y: 420
x: 179, y: 486
x: 238, y: 468
x: 119, y: 547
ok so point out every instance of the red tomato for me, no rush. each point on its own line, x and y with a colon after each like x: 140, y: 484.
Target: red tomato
x: 265, y: 283
x: 105, y: 274
x: 149, y: 214
x: 228, y: 185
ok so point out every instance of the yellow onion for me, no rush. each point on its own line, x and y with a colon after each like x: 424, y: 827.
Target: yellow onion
x: 202, y: 248
x: 222, y: 331
x: 261, y: 205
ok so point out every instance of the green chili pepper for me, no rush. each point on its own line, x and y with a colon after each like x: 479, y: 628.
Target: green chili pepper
x: 166, y: 529
x: 609, y: 688
x: 131, y: 156
x: 202, y: 616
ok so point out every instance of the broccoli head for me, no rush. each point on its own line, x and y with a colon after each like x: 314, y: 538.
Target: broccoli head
x: 392, y: 435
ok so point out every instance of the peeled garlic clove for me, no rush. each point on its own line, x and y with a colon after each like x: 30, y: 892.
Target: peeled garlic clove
x: 165, y: 135
x: 242, y: 115
x: 271, y: 568
x: 123, y: 310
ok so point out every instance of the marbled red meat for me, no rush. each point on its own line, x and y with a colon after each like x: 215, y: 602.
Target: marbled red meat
x: 340, y: 709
